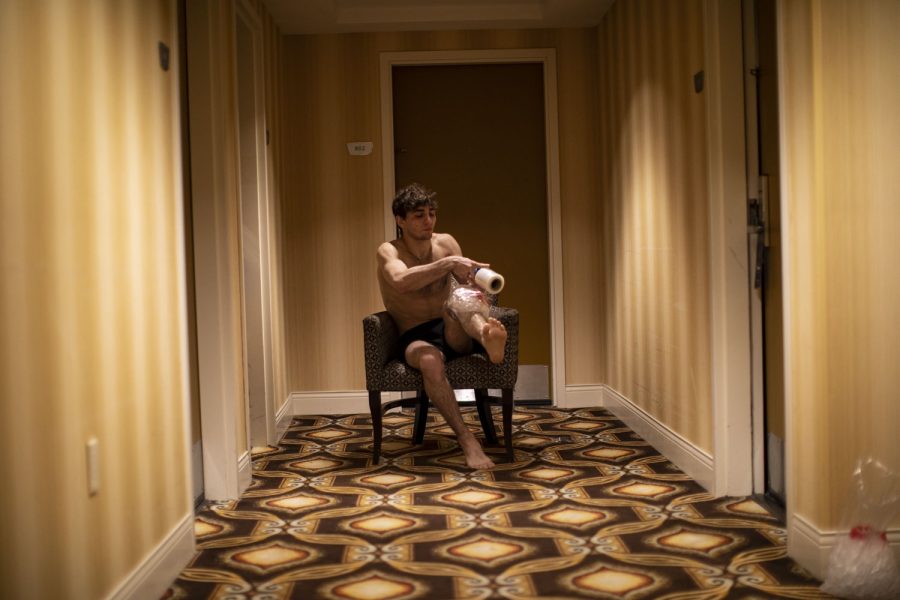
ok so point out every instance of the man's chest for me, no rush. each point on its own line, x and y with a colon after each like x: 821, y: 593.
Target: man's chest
x: 437, y: 289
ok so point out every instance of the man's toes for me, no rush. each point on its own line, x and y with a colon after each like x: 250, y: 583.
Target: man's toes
x: 496, y: 323
x: 484, y: 463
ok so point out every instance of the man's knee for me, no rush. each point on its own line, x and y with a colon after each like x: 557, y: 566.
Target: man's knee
x: 431, y: 363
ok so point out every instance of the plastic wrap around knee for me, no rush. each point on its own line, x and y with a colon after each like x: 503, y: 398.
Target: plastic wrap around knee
x: 465, y: 301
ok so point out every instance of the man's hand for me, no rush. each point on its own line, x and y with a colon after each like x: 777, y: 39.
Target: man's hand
x: 464, y: 268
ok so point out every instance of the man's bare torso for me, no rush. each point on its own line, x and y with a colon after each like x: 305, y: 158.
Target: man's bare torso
x: 418, y: 306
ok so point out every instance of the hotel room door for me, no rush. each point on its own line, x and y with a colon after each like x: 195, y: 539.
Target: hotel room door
x: 475, y: 135
x: 761, y: 77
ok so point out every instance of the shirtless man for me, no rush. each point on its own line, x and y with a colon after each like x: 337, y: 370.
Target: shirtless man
x: 414, y: 277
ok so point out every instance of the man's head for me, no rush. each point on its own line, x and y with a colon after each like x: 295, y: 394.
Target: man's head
x: 411, y: 197
x: 416, y: 199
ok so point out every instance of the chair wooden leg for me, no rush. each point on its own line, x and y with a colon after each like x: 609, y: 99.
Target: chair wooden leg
x: 375, y: 410
x: 421, y: 419
x: 507, y: 423
x: 482, y: 403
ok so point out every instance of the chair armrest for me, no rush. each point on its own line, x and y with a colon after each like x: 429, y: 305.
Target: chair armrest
x: 380, y: 338
x: 507, y: 316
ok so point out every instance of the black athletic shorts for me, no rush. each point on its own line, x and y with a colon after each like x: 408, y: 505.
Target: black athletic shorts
x: 433, y: 333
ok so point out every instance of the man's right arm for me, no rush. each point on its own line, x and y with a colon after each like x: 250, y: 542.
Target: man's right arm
x: 408, y: 279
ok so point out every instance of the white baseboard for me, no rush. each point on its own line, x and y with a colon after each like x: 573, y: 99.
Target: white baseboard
x: 283, y: 418
x: 811, y: 547
x: 245, y: 471
x: 161, y: 566
x: 582, y: 396
x: 686, y: 456
x: 330, y: 403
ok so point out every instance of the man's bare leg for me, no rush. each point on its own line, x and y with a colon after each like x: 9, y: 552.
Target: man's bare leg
x: 489, y: 332
x: 430, y: 362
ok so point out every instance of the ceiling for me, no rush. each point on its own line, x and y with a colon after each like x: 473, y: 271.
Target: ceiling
x: 343, y: 16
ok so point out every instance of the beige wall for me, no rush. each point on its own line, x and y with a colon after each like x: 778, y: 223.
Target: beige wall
x: 92, y: 297
x: 654, y: 237
x: 840, y: 77
x: 333, y: 206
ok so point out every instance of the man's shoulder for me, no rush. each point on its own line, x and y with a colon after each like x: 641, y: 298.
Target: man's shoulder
x: 388, y: 249
x: 446, y: 242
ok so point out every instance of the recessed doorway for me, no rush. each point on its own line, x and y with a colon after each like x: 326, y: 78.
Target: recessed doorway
x: 479, y: 128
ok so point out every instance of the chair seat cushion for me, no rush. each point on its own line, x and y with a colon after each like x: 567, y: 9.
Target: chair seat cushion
x: 467, y: 372
x: 386, y: 373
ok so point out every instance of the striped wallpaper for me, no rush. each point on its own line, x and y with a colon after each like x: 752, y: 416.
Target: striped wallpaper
x: 92, y: 298
x: 654, y: 237
x: 840, y: 79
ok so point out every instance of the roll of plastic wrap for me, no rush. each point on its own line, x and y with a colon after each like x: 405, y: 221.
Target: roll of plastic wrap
x: 489, y: 281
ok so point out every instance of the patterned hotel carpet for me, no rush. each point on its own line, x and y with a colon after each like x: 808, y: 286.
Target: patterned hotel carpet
x: 589, y: 510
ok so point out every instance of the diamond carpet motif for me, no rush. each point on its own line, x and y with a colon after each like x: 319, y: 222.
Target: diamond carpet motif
x: 695, y: 541
x: 204, y: 527
x: 486, y: 549
x: 374, y: 587
x: 296, y: 503
x: 613, y: 581
x: 587, y: 509
x: 381, y: 524
x: 574, y: 516
x: 473, y: 497
x: 268, y: 557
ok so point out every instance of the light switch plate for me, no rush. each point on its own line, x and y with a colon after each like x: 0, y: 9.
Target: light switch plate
x: 92, y: 448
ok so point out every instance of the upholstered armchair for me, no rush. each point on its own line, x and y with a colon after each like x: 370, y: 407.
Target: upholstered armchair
x: 386, y: 372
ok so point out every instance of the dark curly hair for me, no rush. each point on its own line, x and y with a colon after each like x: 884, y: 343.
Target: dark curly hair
x: 411, y: 197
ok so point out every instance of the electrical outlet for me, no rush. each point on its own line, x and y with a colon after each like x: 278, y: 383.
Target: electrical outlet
x: 92, y: 448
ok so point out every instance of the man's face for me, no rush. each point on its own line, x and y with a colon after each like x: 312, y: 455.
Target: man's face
x: 418, y: 223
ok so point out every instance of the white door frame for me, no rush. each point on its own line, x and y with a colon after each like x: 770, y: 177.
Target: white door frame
x: 215, y: 204
x: 260, y: 411
x: 547, y: 58
x: 729, y: 266
x: 213, y: 209
x: 754, y: 192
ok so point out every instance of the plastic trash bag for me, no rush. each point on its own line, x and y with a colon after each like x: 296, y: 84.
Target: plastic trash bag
x: 862, y: 565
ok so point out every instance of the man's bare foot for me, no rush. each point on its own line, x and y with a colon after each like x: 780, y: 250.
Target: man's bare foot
x: 475, y: 456
x: 493, y: 338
